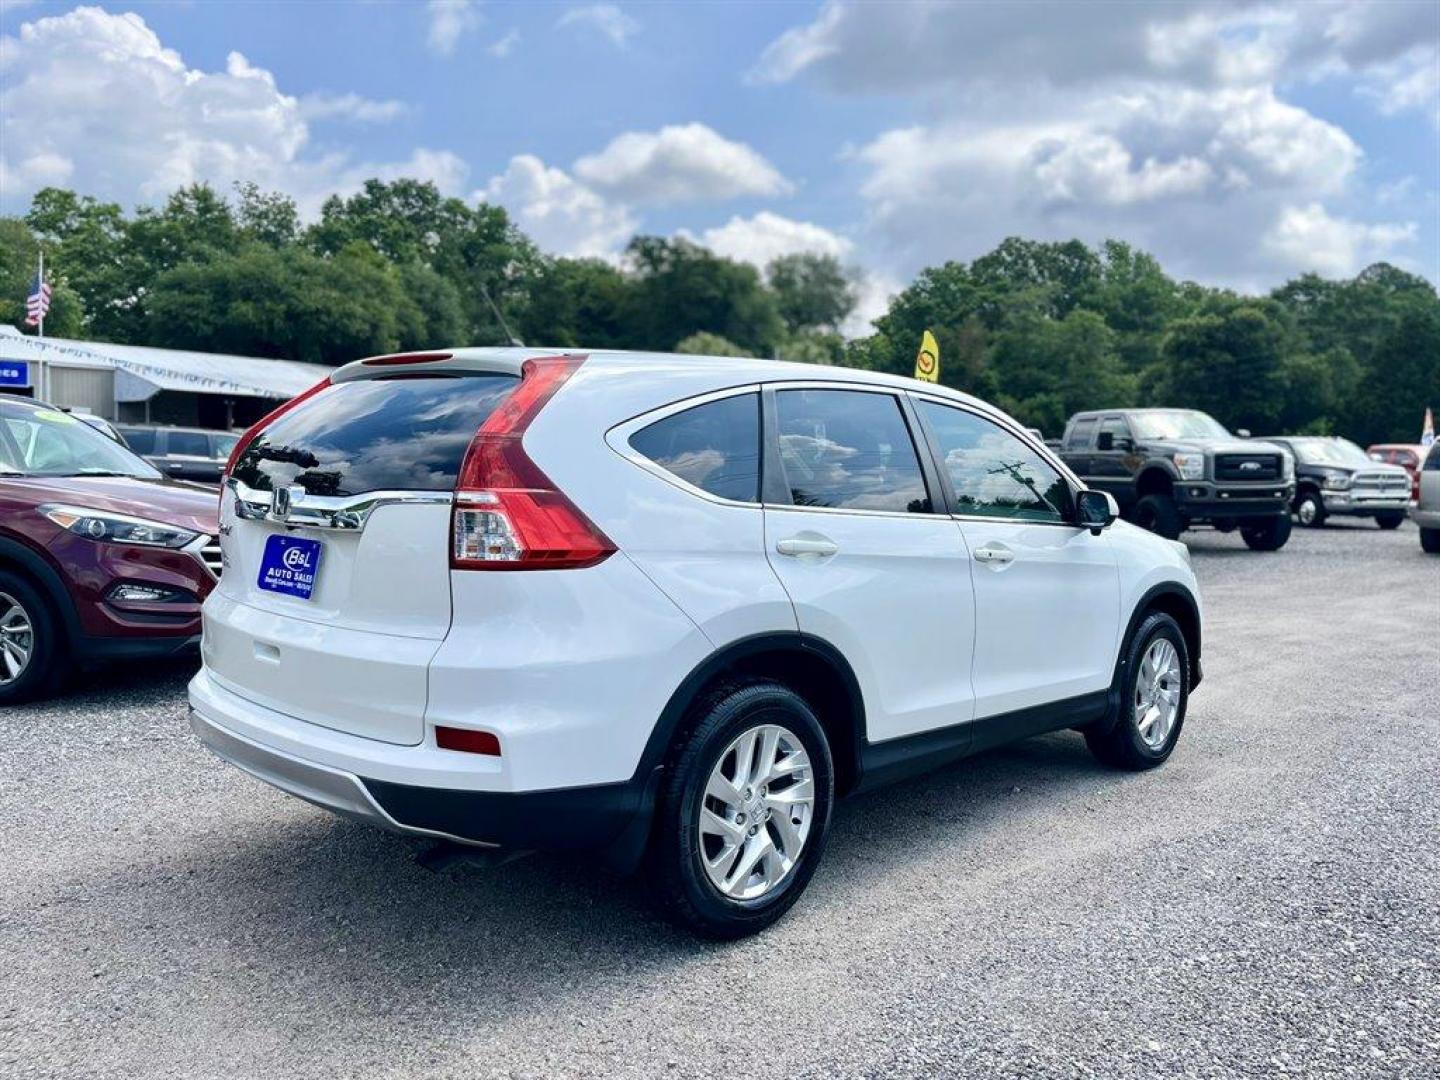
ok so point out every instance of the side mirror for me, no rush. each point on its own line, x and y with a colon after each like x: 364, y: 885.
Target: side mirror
x: 1105, y: 441
x: 1244, y: 433
x: 1096, y: 510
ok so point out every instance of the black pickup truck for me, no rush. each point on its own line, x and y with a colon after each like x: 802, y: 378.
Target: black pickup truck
x: 1171, y: 469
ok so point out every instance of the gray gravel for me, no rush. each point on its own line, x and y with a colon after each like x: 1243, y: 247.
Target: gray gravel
x: 1264, y: 905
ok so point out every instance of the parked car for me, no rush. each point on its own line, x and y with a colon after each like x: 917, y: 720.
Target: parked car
x: 1426, y: 511
x: 675, y: 606
x: 1407, y: 455
x: 1334, y: 477
x: 1173, y: 469
x: 101, y: 558
x: 182, y: 453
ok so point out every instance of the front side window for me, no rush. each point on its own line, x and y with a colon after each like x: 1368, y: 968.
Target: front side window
x: 995, y: 474
x: 849, y: 450
x: 714, y: 447
x: 46, y: 442
x: 188, y: 444
x: 141, y: 440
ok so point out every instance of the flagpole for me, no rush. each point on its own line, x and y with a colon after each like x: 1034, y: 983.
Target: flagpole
x: 40, y: 278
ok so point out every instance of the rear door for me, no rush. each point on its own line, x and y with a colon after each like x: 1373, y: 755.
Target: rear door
x: 1047, y: 593
x: 852, y: 531
x: 336, y: 590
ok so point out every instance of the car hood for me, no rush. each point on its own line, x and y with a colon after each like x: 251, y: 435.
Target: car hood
x: 1215, y: 446
x: 171, y: 502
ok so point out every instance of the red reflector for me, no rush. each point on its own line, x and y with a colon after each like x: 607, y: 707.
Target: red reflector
x: 406, y: 358
x: 470, y: 742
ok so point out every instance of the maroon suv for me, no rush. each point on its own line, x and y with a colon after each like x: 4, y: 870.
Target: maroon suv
x: 101, y: 557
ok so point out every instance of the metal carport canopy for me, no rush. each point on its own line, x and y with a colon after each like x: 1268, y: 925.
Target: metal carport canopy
x: 142, y: 371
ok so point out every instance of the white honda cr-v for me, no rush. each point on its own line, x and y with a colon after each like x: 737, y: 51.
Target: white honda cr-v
x: 665, y: 610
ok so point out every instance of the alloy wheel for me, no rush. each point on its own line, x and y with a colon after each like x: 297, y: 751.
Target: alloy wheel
x: 1157, y: 692
x: 756, y: 812
x: 1308, y: 511
x: 17, y: 639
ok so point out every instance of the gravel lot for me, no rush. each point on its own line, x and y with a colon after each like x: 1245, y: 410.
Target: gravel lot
x: 1264, y: 905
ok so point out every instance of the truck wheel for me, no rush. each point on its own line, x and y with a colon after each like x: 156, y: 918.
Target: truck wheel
x: 1269, y: 535
x: 1310, y: 510
x: 1154, y: 692
x: 1391, y: 519
x: 1430, y: 541
x: 1160, y: 515
x: 744, y: 811
x: 30, y: 644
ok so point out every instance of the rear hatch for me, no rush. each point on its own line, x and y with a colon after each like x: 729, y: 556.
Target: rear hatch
x: 335, y: 528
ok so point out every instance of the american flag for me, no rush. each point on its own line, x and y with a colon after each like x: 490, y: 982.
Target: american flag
x: 37, y: 304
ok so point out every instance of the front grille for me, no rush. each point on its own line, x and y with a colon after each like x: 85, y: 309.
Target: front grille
x: 1247, y: 467
x: 1381, y: 484
x: 211, y: 557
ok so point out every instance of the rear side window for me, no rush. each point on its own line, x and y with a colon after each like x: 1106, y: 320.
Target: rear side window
x: 994, y: 474
x: 714, y: 447
x: 187, y: 443
x: 1080, y: 432
x: 402, y: 434
x: 1432, y: 459
x: 141, y: 440
x: 849, y: 450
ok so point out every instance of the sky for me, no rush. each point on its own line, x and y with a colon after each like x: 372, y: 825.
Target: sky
x: 1241, y: 143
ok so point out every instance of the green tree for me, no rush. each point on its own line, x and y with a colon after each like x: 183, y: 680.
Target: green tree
x: 1229, y: 363
x: 704, y: 343
x: 575, y: 302
x: 18, y: 251
x: 812, y: 292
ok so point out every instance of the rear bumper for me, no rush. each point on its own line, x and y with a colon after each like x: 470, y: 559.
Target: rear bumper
x: 1426, y: 519
x: 1202, y: 500
x: 610, y: 818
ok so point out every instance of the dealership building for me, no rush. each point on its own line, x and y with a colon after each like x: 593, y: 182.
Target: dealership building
x: 138, y: 384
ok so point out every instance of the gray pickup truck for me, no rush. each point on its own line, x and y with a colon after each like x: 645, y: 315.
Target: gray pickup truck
x: 1172, y: 469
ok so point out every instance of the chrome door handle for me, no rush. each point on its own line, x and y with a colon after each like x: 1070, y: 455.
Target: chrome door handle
x: 807, y: 545
x: 998, y: 556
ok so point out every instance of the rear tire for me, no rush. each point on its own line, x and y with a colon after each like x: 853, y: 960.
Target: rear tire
x: 743, y: 743
x: 1430, y: 541
x: 1135, y: 740
x: 31, y: 646
x: 1391, y: 519
x: 1269, y: 535
x: 1310, y: 509
x: 1160, y: 515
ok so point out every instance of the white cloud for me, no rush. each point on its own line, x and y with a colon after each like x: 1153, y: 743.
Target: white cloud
x: 350, y: 107
x: 766, y: 236
x: 1309, y: 238
x: 505, y: 46
x: 679, y: 163
x: 559, y: 213
x: 94, y: 100
x: 606, y: 19
x: 450, y: 20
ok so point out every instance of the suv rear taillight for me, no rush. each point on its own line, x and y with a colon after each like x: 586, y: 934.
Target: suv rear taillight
x: 264, y: 422
x: 508, y: 515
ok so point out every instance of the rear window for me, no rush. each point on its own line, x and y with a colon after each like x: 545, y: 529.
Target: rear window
x: 715, y: 446
x: 404, y: 433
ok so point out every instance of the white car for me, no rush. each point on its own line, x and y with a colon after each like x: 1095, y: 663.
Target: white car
x: 667, y: 609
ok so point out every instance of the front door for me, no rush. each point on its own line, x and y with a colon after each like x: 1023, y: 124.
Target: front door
x: 869, y: 563
x: 1047, y: 593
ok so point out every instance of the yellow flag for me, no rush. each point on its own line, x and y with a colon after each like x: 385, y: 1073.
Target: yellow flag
x: 927, y: 360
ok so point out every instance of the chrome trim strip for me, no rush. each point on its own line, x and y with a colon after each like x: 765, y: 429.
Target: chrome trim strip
x: 346, y: 512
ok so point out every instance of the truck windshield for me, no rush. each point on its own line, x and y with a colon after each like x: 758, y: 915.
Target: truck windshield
x: 1177, y: 424
x: 1329, y: 452
x: 47, y: 442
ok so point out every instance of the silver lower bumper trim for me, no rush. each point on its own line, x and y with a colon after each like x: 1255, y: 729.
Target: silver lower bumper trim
x: 330, y: 789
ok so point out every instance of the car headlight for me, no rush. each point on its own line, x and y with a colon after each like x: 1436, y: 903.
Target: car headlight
x: 1191, y: 466
x: 1287, y: 465
x: 1336, y: 480
x: 107, y: 527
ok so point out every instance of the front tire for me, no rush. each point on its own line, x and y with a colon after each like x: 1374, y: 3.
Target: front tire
x: 744, y: 811
x: 30, y: 644
x: 1269, y: 535
x: 1160, y: 515
x: 1154, y: 693
x: 1390, y: 519
x: 1310, y: 509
